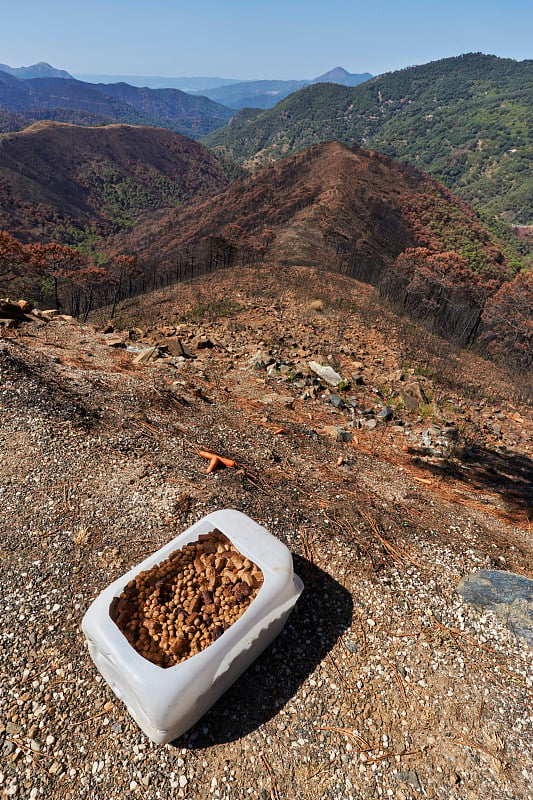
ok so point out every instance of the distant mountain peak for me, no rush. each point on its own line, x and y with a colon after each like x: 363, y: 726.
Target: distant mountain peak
x: 343, y: 77
x: 40, y: 70
x: 334, y: 74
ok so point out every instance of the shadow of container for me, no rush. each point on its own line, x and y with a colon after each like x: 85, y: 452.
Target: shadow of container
x: 322, y: 614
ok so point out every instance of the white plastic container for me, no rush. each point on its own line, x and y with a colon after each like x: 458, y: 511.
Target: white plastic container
x: 167, y: 702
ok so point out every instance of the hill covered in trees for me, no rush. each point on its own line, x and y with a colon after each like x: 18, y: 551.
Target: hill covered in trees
x: 73, y: 183
x: 464, y: 120
x: 329, y: 207
x: 359, y: 213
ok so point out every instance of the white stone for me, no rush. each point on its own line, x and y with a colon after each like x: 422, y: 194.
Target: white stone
x: 327, y: 374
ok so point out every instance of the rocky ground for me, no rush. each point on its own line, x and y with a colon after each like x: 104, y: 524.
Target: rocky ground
x: 389, y: 487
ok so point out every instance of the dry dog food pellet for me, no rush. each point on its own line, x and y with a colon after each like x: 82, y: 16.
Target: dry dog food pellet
x: 180, y: 606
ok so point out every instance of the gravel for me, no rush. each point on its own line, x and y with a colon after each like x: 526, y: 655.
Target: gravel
x: 384, y: 682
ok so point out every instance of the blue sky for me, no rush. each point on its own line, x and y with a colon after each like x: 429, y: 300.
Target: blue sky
x: 245, y: 39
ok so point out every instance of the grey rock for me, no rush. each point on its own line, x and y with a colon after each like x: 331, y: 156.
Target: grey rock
x: 258, y: 361
x: 450, y: 432
x: 352, y: 646
x: 413, y: 396
x: 370, y: 424
x: 426, y: 438
x: 386, y: 414
x: 335, y: 400
x: 510, y: 596
x: 327, y: 374
x: 411, y: 778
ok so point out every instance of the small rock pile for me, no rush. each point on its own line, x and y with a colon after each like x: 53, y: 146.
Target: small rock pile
x: 179, y: 607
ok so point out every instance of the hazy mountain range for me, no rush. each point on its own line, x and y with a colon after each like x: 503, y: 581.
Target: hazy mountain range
x: 23, y: 101
x: 231, y: 92
x: 193, y: 84
x: 266, y: 94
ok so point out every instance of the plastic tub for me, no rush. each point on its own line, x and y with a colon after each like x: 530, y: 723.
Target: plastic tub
x: 167, y: 702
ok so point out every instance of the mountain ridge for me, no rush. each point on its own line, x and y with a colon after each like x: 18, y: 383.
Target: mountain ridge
x: 266, y: 93
x: 40, y: 70
x: 348, y: 210
x: 36, y: 98
x: 464, y: 120
x: 205, y: 85
x: 112, y: 175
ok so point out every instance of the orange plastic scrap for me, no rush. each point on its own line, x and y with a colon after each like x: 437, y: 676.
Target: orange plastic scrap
x: 215, y: 460
x: 212, y: 464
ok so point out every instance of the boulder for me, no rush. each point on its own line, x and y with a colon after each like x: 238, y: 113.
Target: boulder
x: 145, y: 355
x: 115, y: 341
x: 509, y: 595
x: 413, y: 396
x: 326, y: 374
x: 9, y: 310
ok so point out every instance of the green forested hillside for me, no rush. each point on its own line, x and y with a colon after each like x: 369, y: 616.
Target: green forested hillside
x: 465, y: 121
